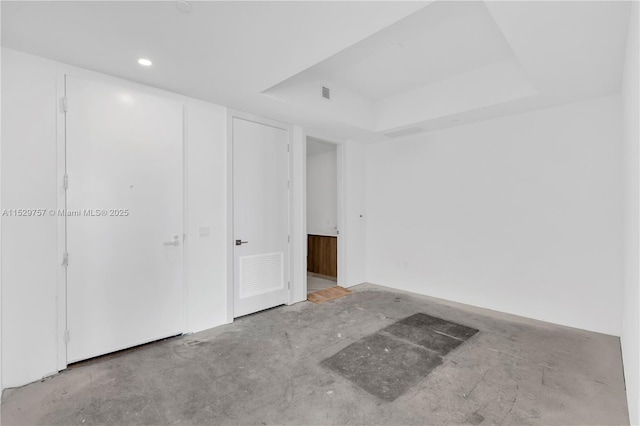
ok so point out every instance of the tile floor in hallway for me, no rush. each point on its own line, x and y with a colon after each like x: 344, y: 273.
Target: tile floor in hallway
x: 317, y: 282
x: 267, y: 368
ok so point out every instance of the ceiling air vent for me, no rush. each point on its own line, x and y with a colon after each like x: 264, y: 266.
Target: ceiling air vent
x: 326, y: 92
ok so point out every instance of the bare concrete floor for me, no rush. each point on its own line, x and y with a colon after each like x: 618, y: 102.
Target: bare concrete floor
x: 265, y: 369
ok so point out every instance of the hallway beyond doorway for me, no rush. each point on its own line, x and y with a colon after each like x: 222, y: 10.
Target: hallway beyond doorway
x: 316, y: 282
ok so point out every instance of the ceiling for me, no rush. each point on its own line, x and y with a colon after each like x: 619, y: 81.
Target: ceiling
x: 434, y: 43
x: 394, y: 68
x: 317, y: 146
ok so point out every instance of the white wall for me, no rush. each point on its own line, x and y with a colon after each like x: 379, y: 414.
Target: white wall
x: 206, y: 258
x: 630, y: 337
x: 1, y: 205
x: 519, y: 214
x: 322, y: 193
x: 30, y: 245
x: 353, y: 232
x: 298, y: 215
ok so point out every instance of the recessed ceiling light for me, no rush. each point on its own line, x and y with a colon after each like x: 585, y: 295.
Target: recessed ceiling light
x: 145, y: 62
x: 184, y: 6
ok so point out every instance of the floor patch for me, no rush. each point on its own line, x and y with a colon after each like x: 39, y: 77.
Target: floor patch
x: 328, y: 294
x: 438, y: 324
x: 383, y: 366
x: 393, y: 360
x: 425, y: 337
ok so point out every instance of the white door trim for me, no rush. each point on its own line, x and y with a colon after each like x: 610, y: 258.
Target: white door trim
x: 62, y: 72
x: 62, y: 228
x: 231, y: 114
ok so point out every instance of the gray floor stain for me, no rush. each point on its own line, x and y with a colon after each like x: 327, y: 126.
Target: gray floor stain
x: 383, y: 366
x: 393, y: 360
x: 425, y: 337
x: 424, y: 321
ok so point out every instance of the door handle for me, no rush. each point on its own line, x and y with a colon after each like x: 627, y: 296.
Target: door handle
x: 175, y: 242
x: 239, y: 242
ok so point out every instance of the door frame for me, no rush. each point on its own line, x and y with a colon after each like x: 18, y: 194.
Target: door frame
x: 341, y: 202
x: 62, y: 72
x: 231, y: 114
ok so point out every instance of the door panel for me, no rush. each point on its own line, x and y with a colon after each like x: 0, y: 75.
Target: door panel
x: 261, y: 216
x: 125, y: 274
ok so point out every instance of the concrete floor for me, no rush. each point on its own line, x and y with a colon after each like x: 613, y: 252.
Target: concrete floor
x: 265, y: 369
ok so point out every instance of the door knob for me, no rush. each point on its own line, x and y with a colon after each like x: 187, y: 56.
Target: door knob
x: 175, y: 242
x: 239, y: 242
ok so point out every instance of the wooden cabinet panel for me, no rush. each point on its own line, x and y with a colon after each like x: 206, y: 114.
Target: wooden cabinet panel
x: 322, y: 255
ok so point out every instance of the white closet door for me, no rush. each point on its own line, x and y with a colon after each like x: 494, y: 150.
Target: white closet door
x: 261, y: 216
x: 124, y: 154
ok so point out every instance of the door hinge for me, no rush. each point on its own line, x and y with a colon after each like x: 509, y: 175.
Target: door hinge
x: 65, y: 259
x: 66, y: 337
x: 65, y: 104
x: 288, y: 184
x: 288, y: 285
x: 288, y: 238
x: 288, y: 148
x: 65, y: 182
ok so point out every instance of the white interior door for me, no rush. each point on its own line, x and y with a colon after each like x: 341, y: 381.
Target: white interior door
x: 124, y: 159
x: 260, y: 216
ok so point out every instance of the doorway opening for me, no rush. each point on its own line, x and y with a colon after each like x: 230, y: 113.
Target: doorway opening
x: 323, y: 214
